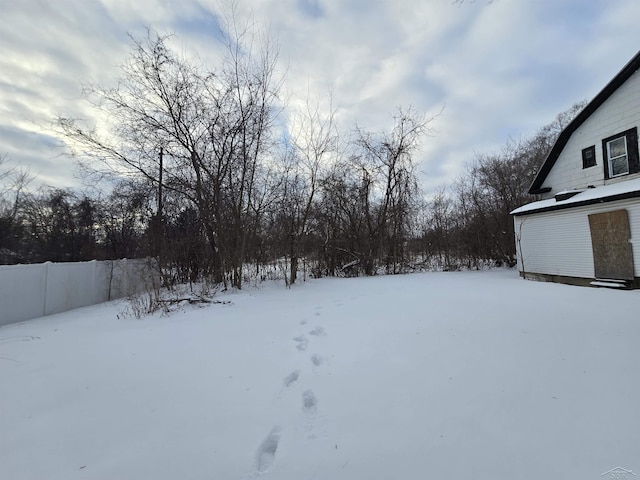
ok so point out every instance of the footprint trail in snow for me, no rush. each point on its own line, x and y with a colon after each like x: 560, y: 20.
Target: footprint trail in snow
x: 291, y: 378
x: 318, y: 331
x: 309, y: 401
x: 302, y: 342
x: 267, y: 452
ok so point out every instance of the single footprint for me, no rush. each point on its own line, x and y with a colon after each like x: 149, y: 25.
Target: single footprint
x: 291, y: 378
x: 302, y: 342
x: 317, y: 331
x: 317, y: 359
x: 267, y: 452
x: 309, y: 401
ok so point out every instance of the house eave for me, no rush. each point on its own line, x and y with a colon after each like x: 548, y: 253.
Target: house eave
x: 592, y: 201
x: 627, y: 71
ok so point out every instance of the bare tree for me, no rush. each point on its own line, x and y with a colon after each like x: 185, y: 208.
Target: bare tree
x: 493, y: 186
x: 212, y: 127
x: 313, y: 145
x: 389, y: 185
x: 439, y: 222
x: 124, y: 219
x: 250, y: 76
x: 13, y: 183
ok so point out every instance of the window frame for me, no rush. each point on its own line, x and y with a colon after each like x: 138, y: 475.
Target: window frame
x: 585, y: 161
x: 613, y: 158
x: 631, y: 147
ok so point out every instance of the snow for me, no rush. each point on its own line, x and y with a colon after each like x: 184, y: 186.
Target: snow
x: 589, y: 194
x: 440, y: 375
x: 608, y: 284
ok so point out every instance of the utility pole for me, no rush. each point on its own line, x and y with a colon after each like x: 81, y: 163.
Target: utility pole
x: 160, y: 186
x: 159, y: 221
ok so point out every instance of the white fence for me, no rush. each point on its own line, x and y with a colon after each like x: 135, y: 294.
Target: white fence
x: 31, y: 291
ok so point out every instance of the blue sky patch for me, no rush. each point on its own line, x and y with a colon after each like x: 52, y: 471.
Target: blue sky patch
x: 311, y: 8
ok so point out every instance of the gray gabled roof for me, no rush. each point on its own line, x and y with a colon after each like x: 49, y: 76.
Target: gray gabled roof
x: 622, y: 76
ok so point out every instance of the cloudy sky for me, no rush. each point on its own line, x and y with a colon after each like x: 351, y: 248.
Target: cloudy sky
x: 500, y: 68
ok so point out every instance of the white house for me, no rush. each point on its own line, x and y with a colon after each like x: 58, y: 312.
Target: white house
x: 586, y: 227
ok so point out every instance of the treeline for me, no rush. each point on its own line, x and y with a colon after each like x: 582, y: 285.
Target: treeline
x: 61, y: 225
x: 316, y: 211
x: 467, y: 223
x: 204, y: 179
x: 312, y: 210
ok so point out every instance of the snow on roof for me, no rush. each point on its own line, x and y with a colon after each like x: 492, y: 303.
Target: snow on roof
x: 568, y: 192
x: 590, y: 195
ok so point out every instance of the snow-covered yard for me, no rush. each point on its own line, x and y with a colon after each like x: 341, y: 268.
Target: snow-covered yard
x: 475, y: 375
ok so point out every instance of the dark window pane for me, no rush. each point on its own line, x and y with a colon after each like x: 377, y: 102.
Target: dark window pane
x: 617, y: 147
x: 589, y: 157
x: 619, y: 166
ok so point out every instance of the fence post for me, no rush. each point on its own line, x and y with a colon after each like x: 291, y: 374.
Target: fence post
x: 46, y: 287
x: 94, y: 283
x: 125, y: 278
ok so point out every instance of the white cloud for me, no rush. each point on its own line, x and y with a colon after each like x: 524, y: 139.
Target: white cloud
x: 502, y: 68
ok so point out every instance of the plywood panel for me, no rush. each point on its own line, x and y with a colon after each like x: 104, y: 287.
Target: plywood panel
x: 612, y: 252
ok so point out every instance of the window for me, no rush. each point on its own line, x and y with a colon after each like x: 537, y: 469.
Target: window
x: 620, y: 153
x: 617, y: 155
x: 589, y: 157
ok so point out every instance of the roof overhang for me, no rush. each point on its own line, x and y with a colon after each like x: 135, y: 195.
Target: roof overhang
x: 591, y: 196
x: 629, y: 69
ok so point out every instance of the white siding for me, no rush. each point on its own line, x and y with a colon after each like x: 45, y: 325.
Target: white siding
x: 559, y: 242
x: 620, y: 112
